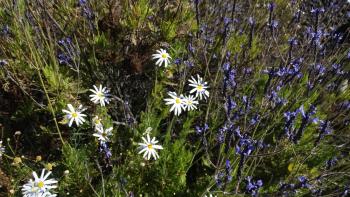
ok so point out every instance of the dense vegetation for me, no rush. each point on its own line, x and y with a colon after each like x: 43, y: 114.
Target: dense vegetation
x: 274, y: 122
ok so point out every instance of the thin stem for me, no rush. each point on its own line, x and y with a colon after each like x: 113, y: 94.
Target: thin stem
x: 50, y: 106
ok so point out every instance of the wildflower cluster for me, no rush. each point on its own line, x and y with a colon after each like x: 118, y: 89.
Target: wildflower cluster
x: 188, y: 102
x: 180, y: 102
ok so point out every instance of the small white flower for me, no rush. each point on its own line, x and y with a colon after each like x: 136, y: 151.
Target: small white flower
x: 96, y: 121
x: 176, y: 102
x: 103, y: 135
x: 2, y: 149
x: 74, y: 115
x: 190, y: 102
x: 149, y: 148
x: 162, y: 56
x: 199, y: 87
x: 39, y: 194
x: 40, y: 186
x: 100, y: 95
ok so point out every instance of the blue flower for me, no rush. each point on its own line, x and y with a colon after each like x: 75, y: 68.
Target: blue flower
x: 274, y: 24
x: 88, y: 14
x: 245, y: 145
x: 221, y: 134
x: 320, y: 69
x: 5, y: 31
x: 251, y: 21
x: 255, y: 119
x: 337, y: 69
x: 325, y: 127
x: 307, y: 116
x: 191, y: 48
x: 202, y: 130
x: 226, y: 66
x: 65, y: 42
x: 289, y: 123
x: 317, y: 10
x: 105, y: 150
x: 218, y: 179
x: 274, y: 98
x: 271, y: 6
x: 228, y: 170
x: 188, y: 63
x: 304, y: 182
x: 289, y: 115
x: 285, y: 188
x: 331, y: 162
x: 82, y: 2
x: 68, y: 52
x: 247, y: 71
x: 197, y: 2
x: 253, y: 187
x: 63, y: 59
x: 229, y: 106
x: 293, y: 41
x: 227, y: 21
x: 177, y: 61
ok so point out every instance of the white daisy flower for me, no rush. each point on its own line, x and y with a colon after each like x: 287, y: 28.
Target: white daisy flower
x: 103, y: 135
x: 149, y: 148
x: 74, y: 115
x: 100, y: 95
x: 190, y: 102
x: 176, y: 102
x: 2, y: 149
x: 162, y: 56
x: 96, y: 121
x: 199, y: 87
x: 38, y: 194
x: 40, y: 186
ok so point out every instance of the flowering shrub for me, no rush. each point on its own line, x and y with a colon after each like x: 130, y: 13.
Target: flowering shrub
x: 174, y: 98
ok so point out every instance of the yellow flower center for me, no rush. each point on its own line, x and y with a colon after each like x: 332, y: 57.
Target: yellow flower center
x: 41, y: 184
x: 100, y: 94
x: 149, y: 146
x: 164, y: 55
x: 97, y: 121
x: 104, y: 134
x: 177, y: 101
x: 74, y: 115
x: 200, y: 87
x: 17, y: 160
x: 189, y: 102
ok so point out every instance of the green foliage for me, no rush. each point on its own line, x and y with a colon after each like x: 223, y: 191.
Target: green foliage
x: 135, y: 14
x: 81, y: 171
x: 176, y: 158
